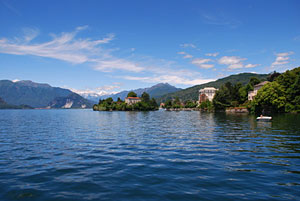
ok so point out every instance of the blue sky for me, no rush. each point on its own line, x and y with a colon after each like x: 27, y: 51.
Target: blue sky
x: 107, y: 45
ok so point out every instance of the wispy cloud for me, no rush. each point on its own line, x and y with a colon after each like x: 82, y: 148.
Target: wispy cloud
x: 202, y: 63
x: 117, y: 64
x: 10, y: 7
x: 186, y: 45
x: 220, y: 19
x: 186, y: 55
x: 63, y: 47
x: 251, y: 65
x: 212, y: 54
x: 281, y: 58
x: 173, y: 79
x: 69, y: 48
x: 233, y: 62
x: 297, y: 38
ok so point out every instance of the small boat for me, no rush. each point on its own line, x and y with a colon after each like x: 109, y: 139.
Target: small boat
x: 264, y: 118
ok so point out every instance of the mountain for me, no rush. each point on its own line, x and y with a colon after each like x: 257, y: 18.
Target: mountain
x: 4, y: 105
x: 71, y: 101
x: 192, y: 93
x: 33, y: 94
x: 155, y: 91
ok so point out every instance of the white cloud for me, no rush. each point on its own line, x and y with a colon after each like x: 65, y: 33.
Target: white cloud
x: 188, y: 56
x: 64, y: 47
x: 219, y: 18
x: 236, y: 66
x: 172, y: 79
x: 69, y: 48
x: 229, y: 60
x: 30, y: 34
x: 282, y: 58
x: 212, y: 54
x: 251, y: 65
x: 186, y: 45
x: 200, y: 62
x: 120, y: 64
x: 233, y: 62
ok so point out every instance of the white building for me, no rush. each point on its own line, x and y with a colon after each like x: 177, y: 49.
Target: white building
x: 132, y: 100
x: 253, y: 93
x: 207, y: 93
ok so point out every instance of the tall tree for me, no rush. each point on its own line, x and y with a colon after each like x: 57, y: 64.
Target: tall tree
x: 145, y: 97
x: 131, y: 94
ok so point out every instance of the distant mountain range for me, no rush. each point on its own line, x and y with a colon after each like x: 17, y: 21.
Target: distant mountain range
x: 4, y: 105
x: 155, y: 91
x: 38, y: 95
x: 192, y: 93
x: 27, y: 94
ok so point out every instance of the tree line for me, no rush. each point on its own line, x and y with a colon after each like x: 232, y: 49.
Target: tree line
x: 146, y: 104
x: 281, y: 94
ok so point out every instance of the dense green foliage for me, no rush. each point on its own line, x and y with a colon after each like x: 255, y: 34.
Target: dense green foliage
x: 207, y: 105
x: 281, y: 95
x: 131, y: 94
x: 192, y: 93
x: 177, y: 103
x: 232, y: 95
x: 146, y: 104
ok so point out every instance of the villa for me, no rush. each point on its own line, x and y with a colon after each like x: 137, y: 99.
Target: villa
x: 132, y: 100
x: 207, y: 93
x: 253, y: 93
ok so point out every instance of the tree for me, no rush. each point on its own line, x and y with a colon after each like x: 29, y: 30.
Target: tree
x: 270, y: 98
x: 254, y: 81
x: 153, y: 103
x: 131, y: 94
x: 190, y: 104
x: 222, y: 98
x: 273, y: 76
x: 168, y: 104
x: 145, y: 97
x: 109, y: 100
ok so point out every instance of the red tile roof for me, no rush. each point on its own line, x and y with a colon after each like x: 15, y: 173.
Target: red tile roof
x: 136, y: 98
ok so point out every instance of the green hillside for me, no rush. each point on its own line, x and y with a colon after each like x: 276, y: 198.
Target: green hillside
x: 192, y: 93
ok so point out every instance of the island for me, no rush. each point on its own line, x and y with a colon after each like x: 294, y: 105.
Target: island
x: 131, y: 103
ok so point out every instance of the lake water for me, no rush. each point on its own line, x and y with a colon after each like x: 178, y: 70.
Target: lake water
x: 161, y: 155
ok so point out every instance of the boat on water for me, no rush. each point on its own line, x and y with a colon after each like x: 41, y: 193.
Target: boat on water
x: 263, y: 118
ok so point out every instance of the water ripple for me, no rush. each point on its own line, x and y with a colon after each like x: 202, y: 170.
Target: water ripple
x: 86, y: 155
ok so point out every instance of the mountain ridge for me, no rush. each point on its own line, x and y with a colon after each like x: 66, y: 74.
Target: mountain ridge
x: 192, y: 93
x: 154, y: 91
x: 36, y: 95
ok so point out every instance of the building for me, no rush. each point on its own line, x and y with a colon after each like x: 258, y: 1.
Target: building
x: 253, y: 93
x: 207, y: 93
x: 132, y: 100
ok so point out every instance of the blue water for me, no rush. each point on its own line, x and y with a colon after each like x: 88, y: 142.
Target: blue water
x: 87, y: 155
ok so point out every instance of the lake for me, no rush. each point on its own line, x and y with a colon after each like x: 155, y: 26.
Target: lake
x: 161, y: 155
